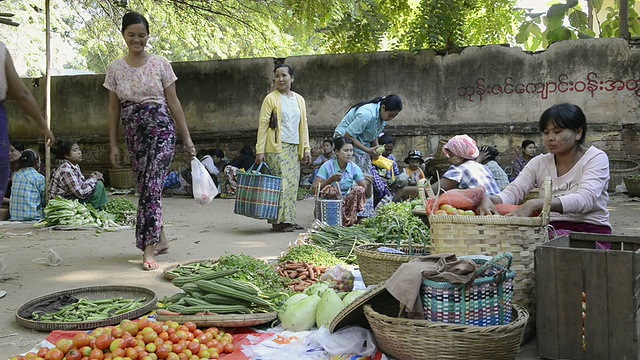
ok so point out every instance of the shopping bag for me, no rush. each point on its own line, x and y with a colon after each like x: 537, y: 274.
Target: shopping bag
x: 204, y: 190
x: 258, y: 195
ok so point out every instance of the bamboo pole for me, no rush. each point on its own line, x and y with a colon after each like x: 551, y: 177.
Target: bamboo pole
x: 47, y: 114
x: 624, y: 19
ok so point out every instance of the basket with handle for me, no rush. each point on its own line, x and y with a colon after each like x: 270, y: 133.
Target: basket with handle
x: 494, y: 234
x: 122, y: 178
x: 484, y: 301
x: 377, y: 266
x: 328, y: 211
x: 410, y: 339
x: 258, y: 195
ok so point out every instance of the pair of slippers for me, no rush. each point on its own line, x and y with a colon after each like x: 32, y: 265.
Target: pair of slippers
x: 287, y: 227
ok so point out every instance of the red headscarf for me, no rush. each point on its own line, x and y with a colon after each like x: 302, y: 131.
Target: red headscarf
x: 462, y: 146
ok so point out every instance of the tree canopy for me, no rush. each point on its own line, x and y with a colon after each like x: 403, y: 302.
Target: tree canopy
x: 86, y: 33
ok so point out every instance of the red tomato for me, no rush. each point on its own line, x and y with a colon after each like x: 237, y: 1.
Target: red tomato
x: 73, y: 354
x: 191, y: 326
x: 197, y: 332
x: 42, y: 352
x: 56, y: 354
x: 194, y: 347
x: 103, y: 342
x: 162, y: 352
x: 229, y: 348
x: 96, y: 354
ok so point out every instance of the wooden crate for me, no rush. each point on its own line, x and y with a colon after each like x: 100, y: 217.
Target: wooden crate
x: 568, y: 266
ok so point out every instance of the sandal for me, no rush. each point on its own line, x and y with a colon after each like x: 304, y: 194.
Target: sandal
x: 150, y: 265
x: 297, y: 227
x: 283, y: 229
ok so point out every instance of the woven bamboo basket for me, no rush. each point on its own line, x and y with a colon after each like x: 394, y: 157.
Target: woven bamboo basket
x: 492, y: 235
x: 226, y: 320
x: 633, y: 185
x: 409, y: 339
x: 619, y: 169
x: 121, y: 178
x: 377, y: 267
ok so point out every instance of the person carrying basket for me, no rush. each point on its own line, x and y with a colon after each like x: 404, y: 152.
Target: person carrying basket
x: 283, y: 140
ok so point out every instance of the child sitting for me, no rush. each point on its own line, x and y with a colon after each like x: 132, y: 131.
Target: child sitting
x: 414, y: 172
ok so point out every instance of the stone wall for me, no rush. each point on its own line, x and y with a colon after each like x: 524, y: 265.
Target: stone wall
x: 493, y: 93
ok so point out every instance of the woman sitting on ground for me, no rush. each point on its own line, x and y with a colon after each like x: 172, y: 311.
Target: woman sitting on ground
x: 488, y: 156
x: 69, y: 183
x: 28, y: 189
x: 579, y: 176
x: 465, y: 172
x: 342, y: 178
x: 244, y: 161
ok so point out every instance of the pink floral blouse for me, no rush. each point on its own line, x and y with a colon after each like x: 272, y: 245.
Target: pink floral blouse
x: 142, y: 84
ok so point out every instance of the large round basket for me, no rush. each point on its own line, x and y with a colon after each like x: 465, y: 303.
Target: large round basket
x: 492, y: 235
x: 121, y: 178
x: 633, y: 185
x: 168, y: 273
x: 227, y: 320
x: 409, y: 339
x: 619, y: 169
x: 91, y: 293
x: 377, y: 267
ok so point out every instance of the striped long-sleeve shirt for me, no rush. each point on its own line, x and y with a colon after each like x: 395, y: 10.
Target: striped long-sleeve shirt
x: 69, y: 183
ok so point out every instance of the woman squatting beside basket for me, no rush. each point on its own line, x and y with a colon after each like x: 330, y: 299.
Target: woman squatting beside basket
x: 283, y: 140
x: 341, y: 178
x: 579, y: 174
x: 142, y: 94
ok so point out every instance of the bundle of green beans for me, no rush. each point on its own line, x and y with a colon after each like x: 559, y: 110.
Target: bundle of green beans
x: 90, y: 310
x: 216, y: 292
x: 196, y: 268
x: 341, y: 241
x: 310, y: 254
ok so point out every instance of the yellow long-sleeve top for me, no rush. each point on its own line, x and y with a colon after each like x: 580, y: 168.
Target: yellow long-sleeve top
x: 269, y: 140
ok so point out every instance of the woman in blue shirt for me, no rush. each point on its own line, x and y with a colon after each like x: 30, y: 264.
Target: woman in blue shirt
x: 28, y: 197
x: 363, y: 124
x: 342, y: 178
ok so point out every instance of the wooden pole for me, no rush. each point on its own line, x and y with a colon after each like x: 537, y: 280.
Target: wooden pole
x: 47, y: 114
x: 624, y: 19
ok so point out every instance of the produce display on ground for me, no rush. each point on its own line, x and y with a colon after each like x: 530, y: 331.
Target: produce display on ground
x: 89, y: 310
x: 141, y: 339
x: 310, y: 254
x: 217, y: 293
x: 394, y: 224
x: 301, y: 274
x: 72, y: 213
x: 317, y: 306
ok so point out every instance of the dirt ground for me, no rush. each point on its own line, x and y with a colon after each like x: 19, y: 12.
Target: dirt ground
x: 194, y: 232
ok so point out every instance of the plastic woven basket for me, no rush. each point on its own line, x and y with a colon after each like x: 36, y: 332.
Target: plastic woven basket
x: 121, y: 178
x: 329, y: 211
x: 486, y: 301
x: 492, y: 235
x: 258, y: 195
x: 409, y: 339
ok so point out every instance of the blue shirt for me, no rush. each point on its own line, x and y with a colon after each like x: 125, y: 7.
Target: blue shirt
x: 28, y: 197
x: 351, y: 174
x: 472, y: 174
x: 363, y: 124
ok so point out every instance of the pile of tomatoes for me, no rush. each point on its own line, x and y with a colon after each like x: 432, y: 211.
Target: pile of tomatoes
x: 140, y: 340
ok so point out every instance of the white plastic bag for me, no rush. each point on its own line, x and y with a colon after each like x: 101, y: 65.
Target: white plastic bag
x: 204, y: 190
x: 351, y: 340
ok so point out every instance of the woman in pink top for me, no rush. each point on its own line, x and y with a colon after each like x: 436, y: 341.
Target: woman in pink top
x: 579, y: 176
x: 142, y: 94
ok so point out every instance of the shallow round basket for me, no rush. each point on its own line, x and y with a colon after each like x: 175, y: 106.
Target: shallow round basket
x: 409, y: 339
x: 619, y: 169
x: 227, y: 320
x: 377, y: 267
x: 633, y: 185
x: 121, y: 178
x: 169, y: 275
x: 91, y: 293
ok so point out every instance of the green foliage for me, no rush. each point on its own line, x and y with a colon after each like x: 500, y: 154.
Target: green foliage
x: 565, y: 21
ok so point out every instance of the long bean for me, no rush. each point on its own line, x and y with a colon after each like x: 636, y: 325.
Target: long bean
x: 89, y: 310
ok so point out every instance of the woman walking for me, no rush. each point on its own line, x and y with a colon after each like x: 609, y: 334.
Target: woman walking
x: 283, y: 140
x: 142, y: 94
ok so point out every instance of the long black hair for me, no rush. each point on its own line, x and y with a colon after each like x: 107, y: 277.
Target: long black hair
x: 390, y: 102
x: 565, y: 116
x: 132, y: 18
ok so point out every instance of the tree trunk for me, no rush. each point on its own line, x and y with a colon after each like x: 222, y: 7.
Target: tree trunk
x: 624, y: 19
